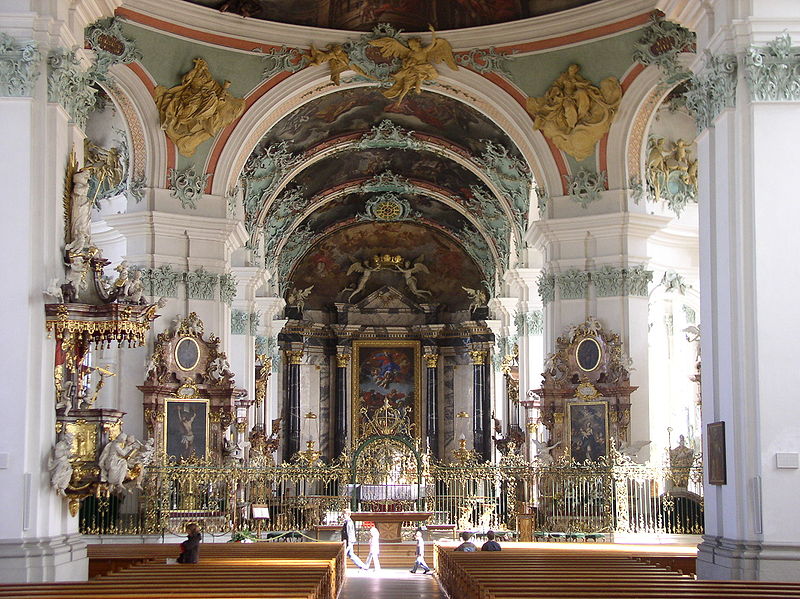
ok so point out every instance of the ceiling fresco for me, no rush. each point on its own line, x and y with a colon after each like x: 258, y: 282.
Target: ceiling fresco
x: 325, y: 265
x: 424, y: 166
x: 411, y: 15
x: 359, y: 109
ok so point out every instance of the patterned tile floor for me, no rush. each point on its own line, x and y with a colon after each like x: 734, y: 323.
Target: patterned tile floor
x: 390, y: 584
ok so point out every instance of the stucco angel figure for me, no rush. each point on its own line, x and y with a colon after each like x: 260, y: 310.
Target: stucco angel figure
x: 409, y: 271
x: 80, y: 225
x: 297, y: 297
x: 543, y: 451
x: 366, y: 272
x: 59, y: 465
x: 418, y: 60
x: 477, y: 298
x: 139, y: 462
x: 336, y: 56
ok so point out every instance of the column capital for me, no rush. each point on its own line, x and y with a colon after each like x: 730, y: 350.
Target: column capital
x: 343, y: 360
x: 431, y: 359
x: 294, y: 356
x: 478, y: 356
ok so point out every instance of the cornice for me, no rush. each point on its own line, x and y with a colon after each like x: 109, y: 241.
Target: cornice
x: 207, y: 25
x: 602, y: 225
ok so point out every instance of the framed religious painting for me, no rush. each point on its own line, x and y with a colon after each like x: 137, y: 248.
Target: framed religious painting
x: 587, y: 425
x: 716, y: 462
x: 186, y: 430
x: 385, y: 371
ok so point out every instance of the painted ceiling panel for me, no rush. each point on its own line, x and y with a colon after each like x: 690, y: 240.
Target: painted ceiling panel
x: 325, y: 265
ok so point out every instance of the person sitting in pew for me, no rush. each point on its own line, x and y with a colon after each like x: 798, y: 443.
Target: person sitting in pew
x: 491, y: 544
x: 190, y: 548
x: 467, y: 545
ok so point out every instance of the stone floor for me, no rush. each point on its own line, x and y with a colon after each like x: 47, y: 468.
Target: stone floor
x: 390, y: 584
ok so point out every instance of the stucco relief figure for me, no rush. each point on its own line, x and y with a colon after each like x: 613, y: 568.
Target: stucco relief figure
x: 297, y: 297
x: 477, y: 298
x: 543, y: 451
x: 574, y: 113
x: 139, y: 462
x: 220, y: 368
x: 197, y: 109
x: 336, y: 56
x: 409, y: 271
x: 418, y: 60
x: 59, y: 465
x: 80, y: 225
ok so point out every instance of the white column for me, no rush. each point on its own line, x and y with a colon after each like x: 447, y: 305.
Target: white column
x: 38, y: 537
x: 749, y: 283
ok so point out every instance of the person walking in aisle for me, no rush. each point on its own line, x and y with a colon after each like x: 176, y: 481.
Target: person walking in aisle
x: 419, y: 562
x: 374, y: 547
x: 349, y: 538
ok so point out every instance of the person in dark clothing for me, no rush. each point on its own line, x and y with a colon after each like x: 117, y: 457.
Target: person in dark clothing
x: 491, y: 544
x: 190, y: 548
x: 467, y: 545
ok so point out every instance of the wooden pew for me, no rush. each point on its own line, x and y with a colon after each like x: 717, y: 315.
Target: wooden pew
x: 257, y: 571
x: 529, y: 573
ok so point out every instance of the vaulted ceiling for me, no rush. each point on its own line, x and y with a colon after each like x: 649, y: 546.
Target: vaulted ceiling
x: 352, y: 174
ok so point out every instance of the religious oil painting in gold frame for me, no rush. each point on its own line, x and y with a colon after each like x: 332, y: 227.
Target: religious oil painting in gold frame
x: 717, y: 468
x: 186, y: 432
x: 587, y: 424
x: 387, y: 369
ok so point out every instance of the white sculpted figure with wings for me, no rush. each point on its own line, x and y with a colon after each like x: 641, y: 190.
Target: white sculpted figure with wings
x: 409, y: 271
x: 418, y: 60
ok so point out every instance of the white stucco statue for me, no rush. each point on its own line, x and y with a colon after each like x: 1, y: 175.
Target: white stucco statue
x: 59, y: 466
x: 81, y: 212
x: 139, y: 461
x: 113, y: 460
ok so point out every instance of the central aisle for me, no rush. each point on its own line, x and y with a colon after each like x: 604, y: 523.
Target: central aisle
x: 390, y: 584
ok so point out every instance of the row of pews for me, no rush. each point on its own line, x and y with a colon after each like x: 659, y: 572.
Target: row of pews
x: 531, y: 573
x: 252, y: 570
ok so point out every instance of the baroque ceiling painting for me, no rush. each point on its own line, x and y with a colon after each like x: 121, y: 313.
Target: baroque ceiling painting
x: 411, y: 15
x: 359, y: 109
x: 326, y: 264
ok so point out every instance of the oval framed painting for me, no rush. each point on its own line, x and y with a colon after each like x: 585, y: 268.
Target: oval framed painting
x: 187, y: 353
x: 588, y: 354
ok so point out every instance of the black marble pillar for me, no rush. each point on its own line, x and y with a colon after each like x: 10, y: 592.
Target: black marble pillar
x: 432, y: 403
x: 292, y: 404
x: 340, y: 424
x: 481, y: 406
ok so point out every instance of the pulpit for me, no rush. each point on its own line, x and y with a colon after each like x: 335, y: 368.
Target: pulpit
x: 390, y: 524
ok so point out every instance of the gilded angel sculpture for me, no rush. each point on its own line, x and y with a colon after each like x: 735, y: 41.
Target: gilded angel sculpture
x: 418, y: 60
x: 336, y: 56
x: 574, y: 113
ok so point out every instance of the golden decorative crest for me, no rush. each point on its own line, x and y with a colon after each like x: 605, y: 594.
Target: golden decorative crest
x: 197, y: 109
x: 574, y: 113
x: 386, y: 420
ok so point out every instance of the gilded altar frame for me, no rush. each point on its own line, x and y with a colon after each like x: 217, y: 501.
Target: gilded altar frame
x: 363, y: 351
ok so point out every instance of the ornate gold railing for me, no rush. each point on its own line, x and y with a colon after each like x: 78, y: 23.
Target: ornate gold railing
x: 619, y: 496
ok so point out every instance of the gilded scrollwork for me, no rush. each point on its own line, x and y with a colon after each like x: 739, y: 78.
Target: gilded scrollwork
x: 197, y: 109
x: 574, y: 113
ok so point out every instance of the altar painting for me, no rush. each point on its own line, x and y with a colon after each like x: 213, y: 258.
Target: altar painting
x: 588, y: 430
x: 385, y: 370
x: 186, y: 432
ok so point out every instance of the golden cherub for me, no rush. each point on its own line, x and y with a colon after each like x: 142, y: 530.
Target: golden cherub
x: 418, y: 61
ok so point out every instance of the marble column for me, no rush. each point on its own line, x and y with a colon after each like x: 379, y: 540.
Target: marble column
x: 294, y: 358
x: 432, y: 402
x: 481, y: 404
x: 340, y: 418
